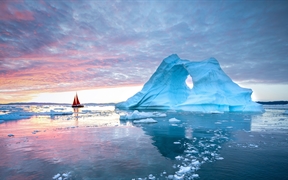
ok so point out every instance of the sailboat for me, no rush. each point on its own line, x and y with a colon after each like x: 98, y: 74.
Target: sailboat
x: 76, y: 102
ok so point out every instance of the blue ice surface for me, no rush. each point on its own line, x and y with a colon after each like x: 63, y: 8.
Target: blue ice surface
x: 213, y: 90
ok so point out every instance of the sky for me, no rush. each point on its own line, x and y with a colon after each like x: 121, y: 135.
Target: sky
x: 107, y: 50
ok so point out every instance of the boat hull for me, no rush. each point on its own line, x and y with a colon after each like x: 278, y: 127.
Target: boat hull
x: 77, y: 106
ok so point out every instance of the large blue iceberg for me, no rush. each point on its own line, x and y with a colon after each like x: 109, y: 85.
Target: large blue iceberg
x: 213, y: 90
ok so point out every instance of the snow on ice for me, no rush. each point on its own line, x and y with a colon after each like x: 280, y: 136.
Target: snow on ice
x: 174, y: 120
x: 213, y: 91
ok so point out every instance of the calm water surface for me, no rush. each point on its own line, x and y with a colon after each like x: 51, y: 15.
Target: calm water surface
x: 95, y: 144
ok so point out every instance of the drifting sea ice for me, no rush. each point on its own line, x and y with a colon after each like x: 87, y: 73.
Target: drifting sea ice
x: 15, y: 116
x: 174, y: 120
x: 63, y: 176
x: 141, y: 115
x: 148, y: 120
x: 26, y: 112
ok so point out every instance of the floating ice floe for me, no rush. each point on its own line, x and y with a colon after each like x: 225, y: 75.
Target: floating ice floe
x: 141, y: 115
x: 178, y: 157
x: 10, y: 135
x: 184, y: 169
x: 62, y: 176
x: 195, y: 176
x: 286, y: 112
x: 148, y: 120
x: 56, y: 176
x: 253, y: 146
x: 170, y: 176
x: 15, y: 116
x: 52, y: 112
x: 151, y: 177
x: 196, y: 153
x: 25, y: 115
x: 174, y: 120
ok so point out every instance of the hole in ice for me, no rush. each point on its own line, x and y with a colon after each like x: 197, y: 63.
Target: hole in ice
x: 189, y: 82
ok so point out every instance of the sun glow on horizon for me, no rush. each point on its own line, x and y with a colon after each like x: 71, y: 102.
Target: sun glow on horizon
x: 266, y: 92
x: 105, y: 95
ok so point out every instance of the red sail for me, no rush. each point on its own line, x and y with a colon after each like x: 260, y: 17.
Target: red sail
x: 77, y: 100
x: 74, y: 101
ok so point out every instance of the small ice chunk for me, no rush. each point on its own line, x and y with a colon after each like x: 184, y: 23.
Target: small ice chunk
x: 195, y: 163
x: 10, y: 135
x: 253, y: 145
x: 178, y: 176
x: 286, y: 112
x: 219, y: 158
x: 148, y: 120
x: 178, y: 157
x: 195, y: 176
x: 184, y: 169
x: 151, y: 177
x: 56, y: 176
x: 191, y: 151
x: 177, y: 143
x: 60, y: 178
x: 205, y: 159
x: 60, y: 112
x: 66, y: 174
x: 174, y: 120
x: 170, y: 176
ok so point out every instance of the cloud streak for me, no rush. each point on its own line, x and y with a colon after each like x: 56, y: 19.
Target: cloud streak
x: 51, y: 46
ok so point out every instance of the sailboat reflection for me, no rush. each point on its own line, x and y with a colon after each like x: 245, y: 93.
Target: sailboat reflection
x: 76, y: 112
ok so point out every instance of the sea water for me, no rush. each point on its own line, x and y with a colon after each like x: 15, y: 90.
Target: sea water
x: 49, y: 142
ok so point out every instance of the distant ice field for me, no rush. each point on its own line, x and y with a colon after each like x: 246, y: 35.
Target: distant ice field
x: 101, y: 142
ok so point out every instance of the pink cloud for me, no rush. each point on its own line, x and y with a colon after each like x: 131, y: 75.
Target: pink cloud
x: 8, y: 12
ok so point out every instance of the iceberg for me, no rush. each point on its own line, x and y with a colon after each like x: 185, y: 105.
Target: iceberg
x: 213, y: 90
